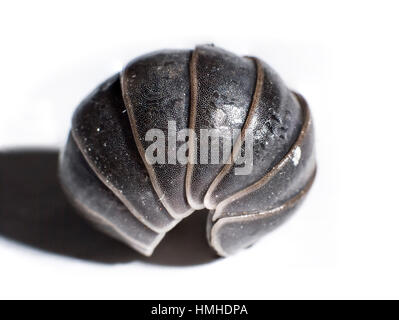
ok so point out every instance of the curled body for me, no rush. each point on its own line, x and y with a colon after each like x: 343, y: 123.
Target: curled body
x: 170, y: 106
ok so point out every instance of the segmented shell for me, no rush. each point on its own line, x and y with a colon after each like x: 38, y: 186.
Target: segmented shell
x: 105, y: 172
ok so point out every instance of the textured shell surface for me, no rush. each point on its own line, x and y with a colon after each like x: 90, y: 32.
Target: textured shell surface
x: 105, y: 170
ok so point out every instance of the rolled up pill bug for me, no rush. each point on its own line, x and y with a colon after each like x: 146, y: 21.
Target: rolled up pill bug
x: 137, y: 160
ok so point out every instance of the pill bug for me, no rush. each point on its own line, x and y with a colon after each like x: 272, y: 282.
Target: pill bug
x: 106, y: 173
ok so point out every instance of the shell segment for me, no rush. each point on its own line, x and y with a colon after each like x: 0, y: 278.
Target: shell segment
x: 275, y: 124
x: 281, y: 182
x: 231, y: 234
x: 156, y: 90
x: 270, y: 200
x: 100, y: 206
x: 102, y: 131
x: 223, y: 86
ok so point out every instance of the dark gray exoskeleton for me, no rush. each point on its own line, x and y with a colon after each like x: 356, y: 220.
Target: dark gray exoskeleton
x: 106, y: 173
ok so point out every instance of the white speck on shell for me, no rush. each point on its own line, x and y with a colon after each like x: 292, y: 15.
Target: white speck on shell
x: 296, y: 156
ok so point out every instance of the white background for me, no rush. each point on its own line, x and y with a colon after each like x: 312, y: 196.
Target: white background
x: 341, y: 55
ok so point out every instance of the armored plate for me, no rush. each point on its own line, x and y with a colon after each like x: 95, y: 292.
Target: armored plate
x: 102, y: 131
x: 156, y: 89
x: 99, y: 205
x: 222, y: 88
